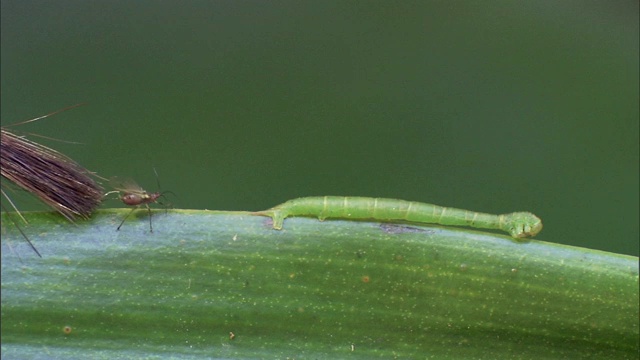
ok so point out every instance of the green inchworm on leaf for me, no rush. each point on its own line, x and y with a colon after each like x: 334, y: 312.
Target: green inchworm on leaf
x: 517, y: 224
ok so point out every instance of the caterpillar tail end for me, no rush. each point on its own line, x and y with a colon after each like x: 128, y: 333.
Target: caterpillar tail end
x: 277, y: 217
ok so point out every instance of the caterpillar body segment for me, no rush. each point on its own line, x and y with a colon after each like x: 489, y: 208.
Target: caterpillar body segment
x: 518, y: 224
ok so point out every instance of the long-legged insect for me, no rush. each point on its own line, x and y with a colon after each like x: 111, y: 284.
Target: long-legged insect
x: 517, y: 224
x: 50, y: 176
x: 133, y: 195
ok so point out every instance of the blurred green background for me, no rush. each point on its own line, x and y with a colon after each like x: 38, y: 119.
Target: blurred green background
x: 240, y: 105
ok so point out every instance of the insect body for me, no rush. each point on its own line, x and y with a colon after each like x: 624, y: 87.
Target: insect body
x: 134, y: 199
x: 517, y: 224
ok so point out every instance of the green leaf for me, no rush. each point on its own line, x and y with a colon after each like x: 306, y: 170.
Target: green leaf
x: 332, y: 289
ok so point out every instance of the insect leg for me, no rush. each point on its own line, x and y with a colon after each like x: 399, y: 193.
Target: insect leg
x: 125, y: 218
x: 150, y: 226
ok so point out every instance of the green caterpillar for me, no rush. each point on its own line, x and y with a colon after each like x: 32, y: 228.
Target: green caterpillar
x: 517, y: 224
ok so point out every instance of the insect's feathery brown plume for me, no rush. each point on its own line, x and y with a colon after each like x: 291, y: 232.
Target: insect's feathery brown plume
x: 49, y: 175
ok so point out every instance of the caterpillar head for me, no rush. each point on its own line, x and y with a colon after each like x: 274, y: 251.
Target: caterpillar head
x: 523, y: 224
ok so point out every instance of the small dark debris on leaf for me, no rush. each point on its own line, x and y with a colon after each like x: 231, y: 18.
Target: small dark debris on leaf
x: 400, y: 229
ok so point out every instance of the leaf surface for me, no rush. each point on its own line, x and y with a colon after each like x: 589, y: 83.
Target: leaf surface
x: 222, y: 285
